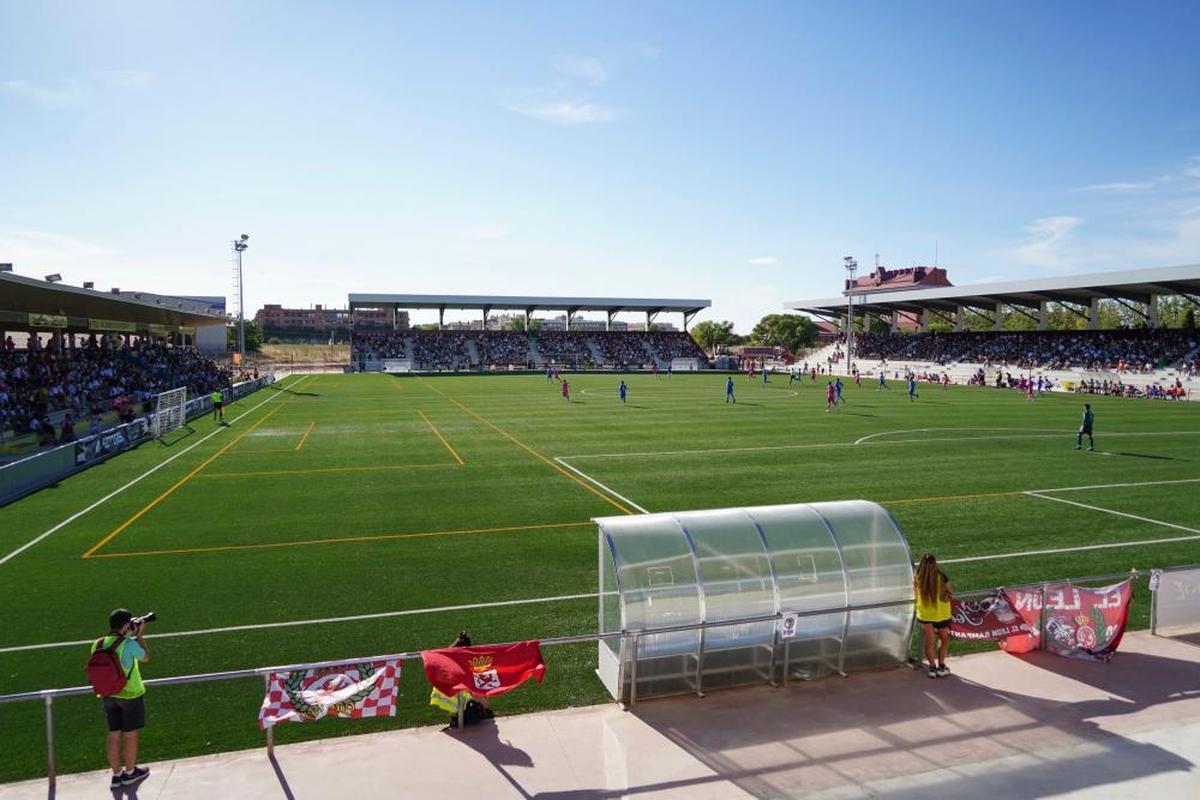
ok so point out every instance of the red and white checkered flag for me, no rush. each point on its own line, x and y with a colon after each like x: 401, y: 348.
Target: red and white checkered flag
x: 357, y: 690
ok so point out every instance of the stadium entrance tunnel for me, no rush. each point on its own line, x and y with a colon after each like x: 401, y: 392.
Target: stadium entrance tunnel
x: 729, y: 597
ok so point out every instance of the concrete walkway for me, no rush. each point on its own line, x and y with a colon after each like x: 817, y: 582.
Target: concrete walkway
x: 1000, y: 727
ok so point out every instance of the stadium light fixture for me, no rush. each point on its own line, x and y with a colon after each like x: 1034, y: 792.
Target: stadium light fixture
x: 89, y: 284
x: 6, y: 267
x: 53, y: 278
x: 851, y: 266
x: 239, y: 247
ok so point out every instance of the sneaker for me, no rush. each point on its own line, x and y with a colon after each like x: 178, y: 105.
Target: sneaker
x: 943, y: 670
x: 933, y: 673
x: 138, y: 775
x: 1078, y: 447
x: 1091, y: 449
x: 117, y: 781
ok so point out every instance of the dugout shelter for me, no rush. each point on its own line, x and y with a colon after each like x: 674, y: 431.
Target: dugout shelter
x: 812, y: 590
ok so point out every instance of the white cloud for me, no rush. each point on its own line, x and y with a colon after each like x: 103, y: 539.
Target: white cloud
x: 565, y: 112
x: 34, y: 252
x: 69, y: 93
x: 1122, y: 187
x: 1048, y: 242
x: 491, y: 230
x: 586, y: 68
x: 763, y: 260
x: 126, y: 78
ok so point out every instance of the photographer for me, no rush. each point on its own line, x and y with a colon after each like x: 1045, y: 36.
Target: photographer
x: 124, y: 708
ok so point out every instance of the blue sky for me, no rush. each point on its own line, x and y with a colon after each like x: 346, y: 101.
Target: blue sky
x: 727, y: 150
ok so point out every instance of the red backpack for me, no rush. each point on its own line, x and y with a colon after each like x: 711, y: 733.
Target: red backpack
x: 104, y: 669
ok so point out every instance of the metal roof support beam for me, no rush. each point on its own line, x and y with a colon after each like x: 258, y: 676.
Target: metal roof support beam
x: 483, y: 324
x: 441, y: 317
x: 609, y: 321
x: 1038, y: 318
x: 528, y: 318
x: 1152, y: 312
x: 1143, y: 314
x: 688, y: 316
x: 1093, y: 315
x: 998, y: 319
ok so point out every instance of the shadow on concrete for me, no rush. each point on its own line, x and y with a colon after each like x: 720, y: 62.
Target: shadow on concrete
x: 905, y: 736
x: 484, y: 738
x: 283, y: 781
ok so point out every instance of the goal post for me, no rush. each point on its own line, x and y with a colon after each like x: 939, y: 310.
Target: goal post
x: 169, y: 411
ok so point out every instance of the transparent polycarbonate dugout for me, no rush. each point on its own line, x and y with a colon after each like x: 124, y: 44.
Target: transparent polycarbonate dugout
x: 702, y: 568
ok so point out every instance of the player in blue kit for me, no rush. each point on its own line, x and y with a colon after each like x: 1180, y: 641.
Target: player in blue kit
x: 621, y: 391
x: 1085, y: 429
x: 729, y: 398
x: 912, y: 387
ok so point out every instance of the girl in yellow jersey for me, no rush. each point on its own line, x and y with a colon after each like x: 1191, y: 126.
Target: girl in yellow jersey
x: 933, y: 593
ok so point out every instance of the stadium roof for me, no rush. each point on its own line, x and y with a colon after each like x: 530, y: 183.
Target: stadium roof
x: 489, y: 302
x: 21, y: 295
x: 1129, y: 286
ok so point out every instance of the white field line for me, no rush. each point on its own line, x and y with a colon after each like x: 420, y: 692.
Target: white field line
x: 821, y: 445
x: 323, y: 621
x: 1114, y: 513
x: 145, y: 474
x: 1113, y: 486
x: 1051, y: 551
x: 871, y: 436
x: 601, y: 486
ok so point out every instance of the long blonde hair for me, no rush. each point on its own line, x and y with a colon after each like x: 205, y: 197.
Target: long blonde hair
x: 930, y: 581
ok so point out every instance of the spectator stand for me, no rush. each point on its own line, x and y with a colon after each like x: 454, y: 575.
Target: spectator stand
x: 533, y: 348
x: 1155, y: 361
x: 75, y: 361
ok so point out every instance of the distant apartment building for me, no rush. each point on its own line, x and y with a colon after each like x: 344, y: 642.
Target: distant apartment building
x: 318, y: 319
x: 891, y: 280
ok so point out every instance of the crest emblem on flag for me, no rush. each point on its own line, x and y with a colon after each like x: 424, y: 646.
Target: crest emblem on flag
x: 356, y: 691
x: 482, y: 675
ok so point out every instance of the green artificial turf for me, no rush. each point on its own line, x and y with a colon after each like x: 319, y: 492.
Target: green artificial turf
x: 339, y: 495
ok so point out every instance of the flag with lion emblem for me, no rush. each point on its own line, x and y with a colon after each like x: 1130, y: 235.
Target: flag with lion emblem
x: 484, y: 671
x: 355, y: 690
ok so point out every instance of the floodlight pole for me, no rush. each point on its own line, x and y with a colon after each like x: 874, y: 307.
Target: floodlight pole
x: 239, y: 247
x: 851, y: 266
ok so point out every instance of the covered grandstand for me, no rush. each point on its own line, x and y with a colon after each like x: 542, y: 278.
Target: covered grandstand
x: 1136, y: 290
x: 530, y: 346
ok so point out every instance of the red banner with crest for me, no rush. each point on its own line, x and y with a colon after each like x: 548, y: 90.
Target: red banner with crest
x: 1078, y: 622
x: 484, y: 671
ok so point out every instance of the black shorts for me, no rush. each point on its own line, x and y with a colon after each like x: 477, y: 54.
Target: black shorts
x: 218, y: 405
x: 939, y: 625
x: 125, y: 715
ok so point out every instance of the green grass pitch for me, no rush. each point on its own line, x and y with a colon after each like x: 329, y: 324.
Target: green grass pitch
x: 341, y: 495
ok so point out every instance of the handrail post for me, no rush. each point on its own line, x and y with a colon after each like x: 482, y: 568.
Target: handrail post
x: 270, y: 728
x: 1042, y: 620
x: 633, y: 671
x: 51, y: 771
x: 787, y: 660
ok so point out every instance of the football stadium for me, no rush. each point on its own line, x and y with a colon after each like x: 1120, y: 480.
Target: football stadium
x: 540, y: 439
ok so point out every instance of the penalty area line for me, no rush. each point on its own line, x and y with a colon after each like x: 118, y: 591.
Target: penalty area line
x: 601, y: 486
x: 145, y: 474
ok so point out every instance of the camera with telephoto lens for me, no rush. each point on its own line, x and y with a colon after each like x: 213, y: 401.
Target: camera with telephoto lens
x: 149, y: 616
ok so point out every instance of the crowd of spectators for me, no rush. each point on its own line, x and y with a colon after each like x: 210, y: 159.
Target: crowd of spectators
x: 458, y: 349
x: 1117, y: 388
x: 59, y: 392
x: 1136, y: 351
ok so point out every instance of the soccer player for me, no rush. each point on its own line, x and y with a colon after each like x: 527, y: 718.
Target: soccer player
x: 621, y: 391
x: 729, y: 398
x: 549, y: 375
x: 654, y: 368
x: 912, y: 387
x: 945, y: 381
x: 218, y: 401
x: 857, y: 378
x: 1085, y: 429
x: 764, y: 375
x: 566, y: 390
x: 830, y: 396
x: 882, y: 381
x: 791, y: 378
x: 837, y: 390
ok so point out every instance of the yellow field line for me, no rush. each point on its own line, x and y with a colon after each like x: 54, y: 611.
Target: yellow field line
x: 179, y: 483
x: 304, y: 438
x: 441, y: 438
x: 344, y: 539
x: 529, y: 449
x: 947, y: 497
x: 323, y: 469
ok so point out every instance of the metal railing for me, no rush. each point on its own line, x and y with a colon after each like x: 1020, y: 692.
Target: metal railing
x: 47, y: 696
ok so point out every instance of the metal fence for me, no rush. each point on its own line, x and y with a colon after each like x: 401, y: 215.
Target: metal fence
x: 633, y: 637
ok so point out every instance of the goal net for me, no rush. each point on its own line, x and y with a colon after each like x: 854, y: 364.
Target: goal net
x: 169, y: 411
x: 685, y: 364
